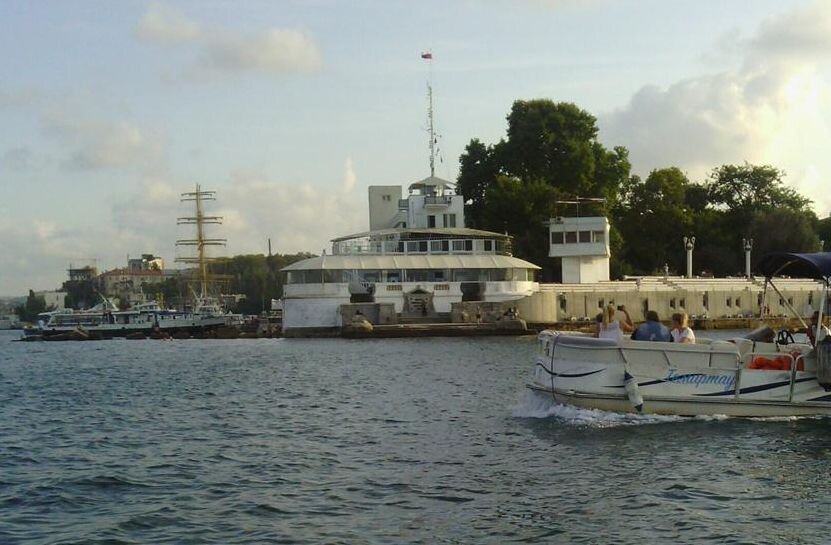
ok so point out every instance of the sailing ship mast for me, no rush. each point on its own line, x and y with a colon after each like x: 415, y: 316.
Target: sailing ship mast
x: 200, y: 220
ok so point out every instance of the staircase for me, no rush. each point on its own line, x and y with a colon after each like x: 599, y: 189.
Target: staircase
x: 417, y: 318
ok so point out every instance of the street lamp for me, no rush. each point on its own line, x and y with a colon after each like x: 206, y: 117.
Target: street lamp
x: 747, y: 243
x: 689, y: 244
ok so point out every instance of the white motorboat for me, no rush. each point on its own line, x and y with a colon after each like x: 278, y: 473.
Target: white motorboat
x: 764, y: 374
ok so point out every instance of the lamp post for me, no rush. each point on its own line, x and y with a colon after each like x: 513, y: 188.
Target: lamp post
x: 689, y: 244
x: 747, y: 243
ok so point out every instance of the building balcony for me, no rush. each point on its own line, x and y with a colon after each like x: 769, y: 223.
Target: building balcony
x: 437, y: 201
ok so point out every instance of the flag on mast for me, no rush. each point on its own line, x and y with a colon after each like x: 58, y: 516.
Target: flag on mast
x: 427, y: 55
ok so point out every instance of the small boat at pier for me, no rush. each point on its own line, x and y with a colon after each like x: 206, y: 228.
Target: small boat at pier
x: 764, y: 374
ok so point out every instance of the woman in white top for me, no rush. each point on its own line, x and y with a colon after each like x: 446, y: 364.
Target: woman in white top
x: 610, y: 328
x: 681, y: 332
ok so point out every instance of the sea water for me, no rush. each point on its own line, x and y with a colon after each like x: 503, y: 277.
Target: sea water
x: 364, y: 441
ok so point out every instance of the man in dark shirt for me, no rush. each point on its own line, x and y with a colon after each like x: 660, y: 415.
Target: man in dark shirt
x: 652, y: 329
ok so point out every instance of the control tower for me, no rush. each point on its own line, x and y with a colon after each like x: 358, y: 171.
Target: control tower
x: 583, y: 245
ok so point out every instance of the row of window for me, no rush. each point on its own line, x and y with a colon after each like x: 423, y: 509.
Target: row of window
x: 573, y: 237
x: 422, y: 246
x: 339, y: 276
x: 449, y: 220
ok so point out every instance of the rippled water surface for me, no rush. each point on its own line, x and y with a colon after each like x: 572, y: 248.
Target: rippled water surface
x: 395, y: 441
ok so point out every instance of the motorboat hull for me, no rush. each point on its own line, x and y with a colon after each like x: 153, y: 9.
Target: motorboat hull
x: 689, y: 380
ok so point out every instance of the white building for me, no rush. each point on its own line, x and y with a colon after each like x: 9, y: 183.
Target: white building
x: 431, y: 203
x: 583, y: 245
x: 418, y: 260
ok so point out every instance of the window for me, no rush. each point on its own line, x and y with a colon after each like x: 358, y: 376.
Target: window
x: 557, y: 237
x: 431, y: 221
x: 393, y: 276
x: 738, y: 302
x: 450, y: 220
x: 386, y: 198
x: 563, y: 303
x: 600, y: 303
x: 462, y: 245
x: 598, y: 236
x: 729, y: 301
x: 672, y: 302
x: 488, y: 245
x: 437, y: 276
x: 682, y: 303
x: 585, y: 236
x: 571, y: 237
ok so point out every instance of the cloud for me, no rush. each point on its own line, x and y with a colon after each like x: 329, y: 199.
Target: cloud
x: 296, y: 216
x: 770, y: 109
x: 275, y: 51
x: 349, y: 178
x: 19, y: 159
x: 96, y: 144
x: 164, y: 25
x: 802, y: 35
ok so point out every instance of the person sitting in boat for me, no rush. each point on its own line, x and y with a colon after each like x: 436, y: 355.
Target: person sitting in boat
x: 817, y: 333
x: 681, y: 332
x: 610, y: 328
x: 652, y: 329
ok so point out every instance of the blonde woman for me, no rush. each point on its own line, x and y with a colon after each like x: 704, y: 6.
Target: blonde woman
x: 610, y: 328
x: 681, y: 332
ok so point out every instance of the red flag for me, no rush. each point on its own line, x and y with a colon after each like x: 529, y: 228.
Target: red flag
x: 427, y: 55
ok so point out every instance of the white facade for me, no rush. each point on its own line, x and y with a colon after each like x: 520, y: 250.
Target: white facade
x: 384, y: 206
x: 395, y: 266
x: 583, y: 245
x: 431, y: 203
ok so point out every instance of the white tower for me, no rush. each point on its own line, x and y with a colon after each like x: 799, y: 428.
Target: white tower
x: 583, y: 244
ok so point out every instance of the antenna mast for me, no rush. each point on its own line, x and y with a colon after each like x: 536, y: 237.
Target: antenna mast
x: 200, y: 220
x: 431, y: 128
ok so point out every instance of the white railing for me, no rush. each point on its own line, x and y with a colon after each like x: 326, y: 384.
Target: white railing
x: 464, y: 246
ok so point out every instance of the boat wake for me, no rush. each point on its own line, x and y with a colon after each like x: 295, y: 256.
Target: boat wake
x: 533, y: 405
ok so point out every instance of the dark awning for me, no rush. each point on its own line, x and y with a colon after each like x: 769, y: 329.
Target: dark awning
x: 816, y: 266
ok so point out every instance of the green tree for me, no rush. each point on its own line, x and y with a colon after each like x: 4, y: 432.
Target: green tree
x: 34, y: 305
x: 551, y: 152
x: 824, y: 233
x: 256, y: 277
x: 784, y: 230
x: 652, y: 218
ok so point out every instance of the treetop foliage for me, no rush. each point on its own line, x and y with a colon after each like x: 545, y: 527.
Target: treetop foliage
x: 551, y: 153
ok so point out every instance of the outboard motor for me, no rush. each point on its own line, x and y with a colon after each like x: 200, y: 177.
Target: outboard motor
x: 823, y: 350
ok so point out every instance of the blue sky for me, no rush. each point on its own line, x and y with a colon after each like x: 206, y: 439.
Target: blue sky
x: 290, y: 109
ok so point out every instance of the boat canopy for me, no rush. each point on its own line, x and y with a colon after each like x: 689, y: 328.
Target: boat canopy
x: 815, y: 265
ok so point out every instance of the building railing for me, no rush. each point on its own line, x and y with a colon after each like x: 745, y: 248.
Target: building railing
x: 423, y: 247
x: 432, y: 200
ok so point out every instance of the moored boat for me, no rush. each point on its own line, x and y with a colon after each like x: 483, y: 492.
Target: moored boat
x: 763, y: 374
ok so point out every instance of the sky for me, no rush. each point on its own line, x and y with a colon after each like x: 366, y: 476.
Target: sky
x: 290, y: 109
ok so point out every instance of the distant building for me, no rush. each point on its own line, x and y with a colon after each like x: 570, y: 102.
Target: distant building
x: 147, y: 262
x: 80, y: 274
x: 126, y: 284
x: 55, y: 300
x: 583, y: 245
